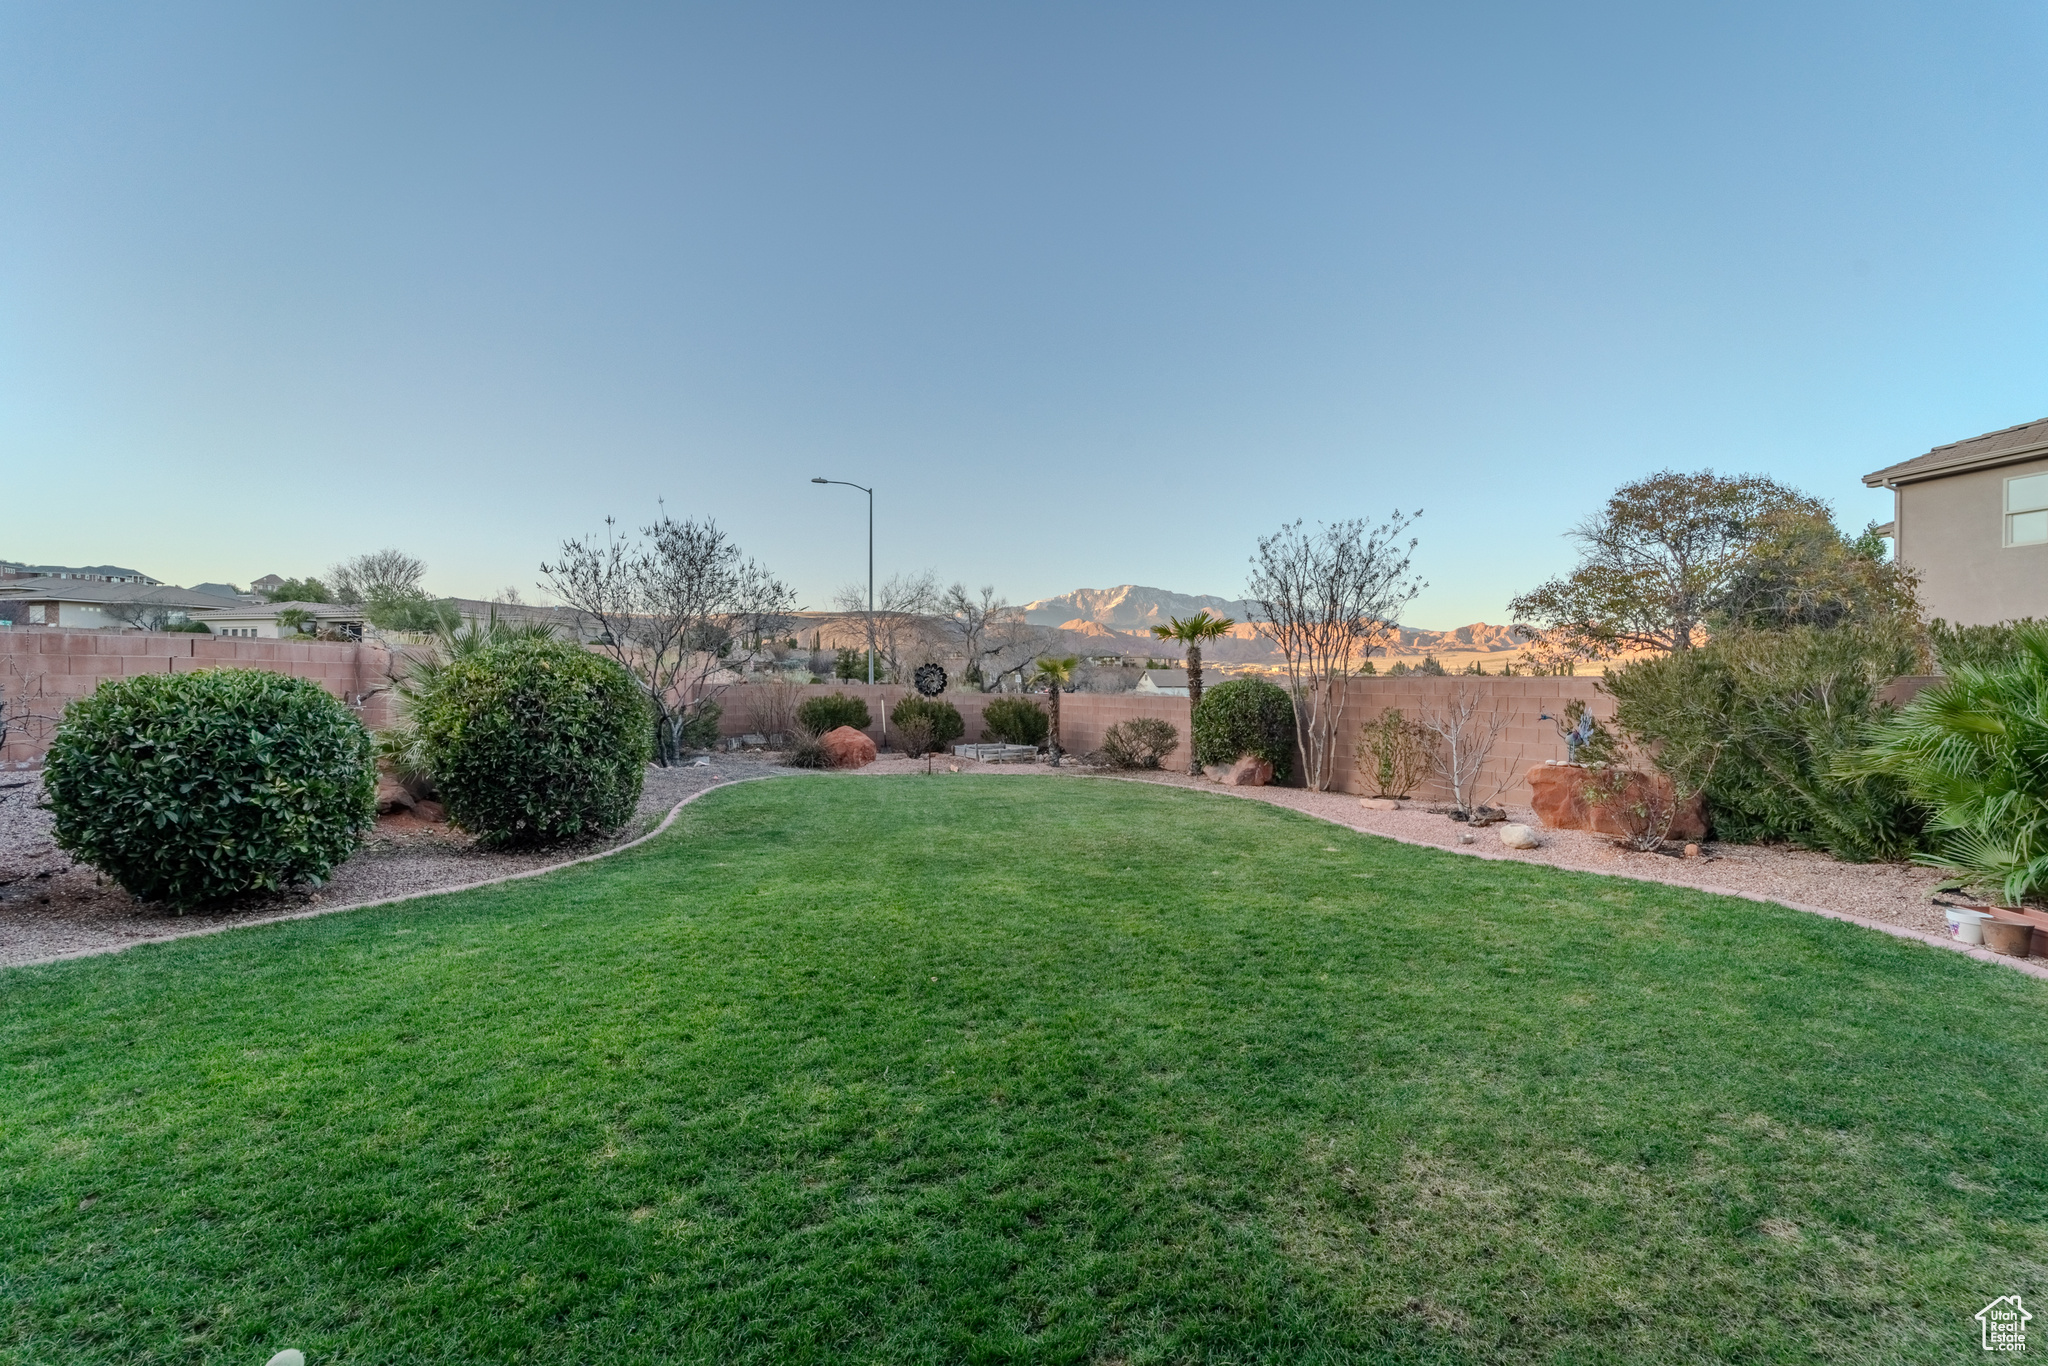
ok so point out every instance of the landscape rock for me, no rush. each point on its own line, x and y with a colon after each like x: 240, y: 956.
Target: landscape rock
x: 392, y: 796
x: 1248, y: 771
x: 1380, y: 803
x: 1557, y: 792
x: 848, y: 748
x: 1519, y: 837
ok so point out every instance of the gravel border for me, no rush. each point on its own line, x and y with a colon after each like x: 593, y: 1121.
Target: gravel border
x: 52, y: 909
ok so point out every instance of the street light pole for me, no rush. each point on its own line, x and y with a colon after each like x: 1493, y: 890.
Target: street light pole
x: 871, y: 567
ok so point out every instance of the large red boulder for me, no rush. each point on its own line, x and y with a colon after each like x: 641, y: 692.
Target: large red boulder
x: 1558, y: 793
x: 847, y: 747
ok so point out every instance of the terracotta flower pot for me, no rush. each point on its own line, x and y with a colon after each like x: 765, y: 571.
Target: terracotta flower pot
x: 2013, y: 938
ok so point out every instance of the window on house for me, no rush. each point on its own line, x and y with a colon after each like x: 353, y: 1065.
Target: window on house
x: 2026, y: 510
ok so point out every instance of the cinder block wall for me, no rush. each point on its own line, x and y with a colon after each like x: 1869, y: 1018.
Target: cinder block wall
x: 42, y: 670
x: 1527, y: 740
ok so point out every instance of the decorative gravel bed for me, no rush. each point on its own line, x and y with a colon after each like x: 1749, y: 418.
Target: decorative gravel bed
x: 51, y: 908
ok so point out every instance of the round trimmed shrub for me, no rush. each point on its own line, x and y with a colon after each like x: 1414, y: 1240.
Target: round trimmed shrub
x: 942, y: 720
x: 534, y: 741
x: 821, y: 714
x: 1015, y: 721
x: 196, y: 787
x: 1246, y: 716
x: 1141, y: 742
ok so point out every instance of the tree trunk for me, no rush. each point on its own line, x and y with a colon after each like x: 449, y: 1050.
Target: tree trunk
x: 1052, y: 749
x: 1194, y: 700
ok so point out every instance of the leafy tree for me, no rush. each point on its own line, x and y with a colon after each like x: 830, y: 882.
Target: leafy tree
x: 1803, y: 571
x: 295, y: 620
x: 1054, y: 674
x: 300, y: 590
x: 1659, y: 559
x: 1190, y: 634
x: 1432, y: 666
x: 389, y: 574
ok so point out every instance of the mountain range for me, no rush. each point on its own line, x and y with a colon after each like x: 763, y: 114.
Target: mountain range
x: 1122, y: 618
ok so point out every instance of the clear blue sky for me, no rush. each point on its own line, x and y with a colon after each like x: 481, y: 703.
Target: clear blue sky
x: 1094, y: 294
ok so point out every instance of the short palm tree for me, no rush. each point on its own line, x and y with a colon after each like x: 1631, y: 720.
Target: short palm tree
x: 1191, y: 633
x: 1055, y: 674
x: 1975, y: 749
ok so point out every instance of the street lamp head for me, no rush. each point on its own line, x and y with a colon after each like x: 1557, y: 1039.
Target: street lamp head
x: 821, y: 481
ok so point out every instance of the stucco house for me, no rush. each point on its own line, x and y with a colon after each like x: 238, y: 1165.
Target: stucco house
x: 97, y: 604
x: 259, y: 619
x: 1168, y: 682
x: 1972, y: 518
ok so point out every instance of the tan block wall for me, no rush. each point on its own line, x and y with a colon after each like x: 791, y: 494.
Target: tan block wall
x: 1084, y: 717
x: 43, y: 670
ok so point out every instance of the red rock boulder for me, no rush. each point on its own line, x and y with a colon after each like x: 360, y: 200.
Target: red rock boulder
x: 1248, y: 771
x: 847, y: 747
x: 1558, y: 793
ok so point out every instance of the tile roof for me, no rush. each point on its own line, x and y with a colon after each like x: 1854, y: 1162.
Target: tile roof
x: 94, y: 591
x: 1992, y: 448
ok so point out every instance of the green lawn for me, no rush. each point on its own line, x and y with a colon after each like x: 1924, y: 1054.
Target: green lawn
x: 990, y: 1069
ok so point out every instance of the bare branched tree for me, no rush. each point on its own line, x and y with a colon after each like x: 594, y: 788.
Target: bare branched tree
x: 379, y: 574
x: 1325, y: 598
x: 144, y: 616
x: 903, y: 626
x: 28, y: 716
x: 1466, y: 726
x: 991, y: 633
x: 667, y: 607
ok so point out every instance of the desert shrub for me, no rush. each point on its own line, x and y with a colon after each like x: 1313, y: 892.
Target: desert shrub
x: 1246, y: 716
x: 806, y: 751
x: 942, y: 724
x: 534, y: 741
x: 771, y: 708
x: 1141, y: 742
x: 197, y: 628
x: 699, y: 729
x: 821, y: 714
x: 1394, y: 754
x: 1982, y: 647
x: 1015, y: 721
x: 191, y: 788
x: 1766, y: 720
x: 1975, y: 750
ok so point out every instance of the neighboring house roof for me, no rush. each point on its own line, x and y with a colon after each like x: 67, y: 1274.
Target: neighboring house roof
x: 2028, y: 441
x: 219, y: 590
x: 267, y: 611
x: 1166, y: 678
x: 93, y: 593
x: 99, y: 572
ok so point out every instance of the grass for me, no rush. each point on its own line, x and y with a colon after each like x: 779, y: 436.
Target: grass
x: 991, y: 1069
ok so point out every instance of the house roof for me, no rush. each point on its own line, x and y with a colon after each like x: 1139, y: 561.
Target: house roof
x: 2027, y: 441
x: 98, y: 594
x: 1167, y: 678
x: 67, y: 571
x: 267, y: 611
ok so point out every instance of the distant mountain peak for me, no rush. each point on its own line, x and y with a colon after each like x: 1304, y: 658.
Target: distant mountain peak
x: 1128, y: 607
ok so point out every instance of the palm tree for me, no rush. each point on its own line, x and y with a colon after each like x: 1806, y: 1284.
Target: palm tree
x: 1191, y: 633
x: 1055, y: 674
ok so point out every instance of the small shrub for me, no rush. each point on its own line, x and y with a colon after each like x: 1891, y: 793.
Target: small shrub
x: 942, y: 724
x: 806, y: 751
x: 1246, y: 716
x: 821, y: 714
x: 534, y: 741
x: 850, y: 665
x: 1142, y: 742
x: 699, y: 729
x: 1015, y: 721
x: 196, y: 787
x: 771, y: 707
x: 1394, y: 754
x: 915, y: 735
x: 197, y: 628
